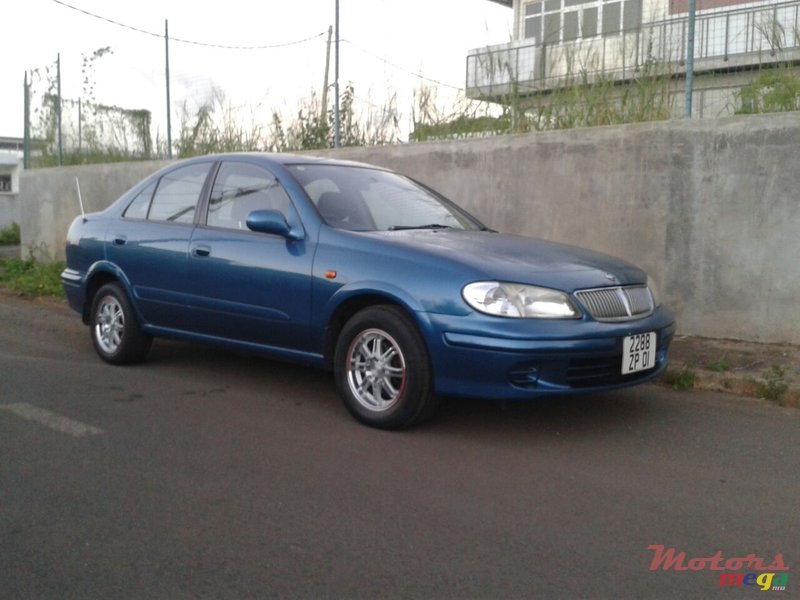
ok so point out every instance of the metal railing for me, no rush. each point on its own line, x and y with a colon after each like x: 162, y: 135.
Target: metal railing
x: 724, y: 39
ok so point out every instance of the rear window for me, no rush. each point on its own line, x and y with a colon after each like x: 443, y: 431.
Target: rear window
x: 177, y: 194
x: 138, y: 208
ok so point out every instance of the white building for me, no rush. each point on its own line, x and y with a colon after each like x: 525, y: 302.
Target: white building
x: 557, y: 42
x: 10, y: 168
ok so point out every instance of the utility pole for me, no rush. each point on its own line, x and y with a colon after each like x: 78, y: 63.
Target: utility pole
x: 690, y: 59
x: 58, y: 110
x: 336, y: 135
x: 169, y: 110
x: 324, y: 116
x: 80, y: 127
x: 26, y: 144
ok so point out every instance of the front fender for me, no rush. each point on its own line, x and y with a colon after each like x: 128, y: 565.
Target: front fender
x: 350, y: 291
x: 348, y: 299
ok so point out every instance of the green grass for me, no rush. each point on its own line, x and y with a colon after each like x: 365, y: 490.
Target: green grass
x: 774, y: 384
x: 32, y: 278
x: 9, y: 236
x: 681, y: 380
x: 720, y: 366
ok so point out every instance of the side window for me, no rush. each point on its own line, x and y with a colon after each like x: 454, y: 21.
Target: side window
x: 177, y: 194
x: 241, y: 188
x: 137, y: 209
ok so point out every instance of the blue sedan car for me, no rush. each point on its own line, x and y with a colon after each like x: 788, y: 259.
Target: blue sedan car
x: 403, y: 295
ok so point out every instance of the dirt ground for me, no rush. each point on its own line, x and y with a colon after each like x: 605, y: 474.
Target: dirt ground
x: 769, y: 371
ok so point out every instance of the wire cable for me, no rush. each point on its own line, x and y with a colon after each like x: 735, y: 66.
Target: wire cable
x: 185, y: 41
x: 391, y: 64
x: 262, y: 47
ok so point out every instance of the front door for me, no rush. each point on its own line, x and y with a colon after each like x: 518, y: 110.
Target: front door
x: 249, y: 286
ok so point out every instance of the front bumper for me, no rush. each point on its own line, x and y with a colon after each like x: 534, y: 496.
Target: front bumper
x: 511, y: 359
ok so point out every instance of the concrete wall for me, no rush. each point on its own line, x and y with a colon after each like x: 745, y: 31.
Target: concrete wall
x: 710, y: 208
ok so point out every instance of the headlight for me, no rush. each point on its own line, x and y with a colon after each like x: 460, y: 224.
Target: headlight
x: 651, y: 285
x: 517, y: 300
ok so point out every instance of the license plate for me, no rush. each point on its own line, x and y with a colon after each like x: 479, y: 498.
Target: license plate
x: 638, y: 352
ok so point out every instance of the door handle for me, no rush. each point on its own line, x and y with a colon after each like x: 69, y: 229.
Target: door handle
x: 120, y: 240
x: 201, y: 251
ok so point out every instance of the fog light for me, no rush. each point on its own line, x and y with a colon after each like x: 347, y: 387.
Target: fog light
x: 524, y: 376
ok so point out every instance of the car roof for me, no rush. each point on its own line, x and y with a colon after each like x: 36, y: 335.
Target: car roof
x: 282, y: 159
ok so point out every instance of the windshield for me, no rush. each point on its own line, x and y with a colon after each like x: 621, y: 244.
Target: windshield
x: 364, y: 199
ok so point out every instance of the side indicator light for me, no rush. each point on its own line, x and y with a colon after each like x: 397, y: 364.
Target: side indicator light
x: 330, y: 274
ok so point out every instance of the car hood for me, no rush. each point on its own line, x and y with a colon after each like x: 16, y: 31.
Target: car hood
x: 496, y: 256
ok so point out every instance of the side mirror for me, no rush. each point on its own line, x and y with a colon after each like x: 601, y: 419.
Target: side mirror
x: 273, y: 222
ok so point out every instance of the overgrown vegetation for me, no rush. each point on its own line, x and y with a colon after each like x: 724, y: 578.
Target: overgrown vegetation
x: 91, y: 132
x: 774, y: 385
x: 720, y: 365
x: 777, y: 87
x: 464, y: 119
x: 585, y: 101
x: 10, y: 236
x: 681, y: 380
x: 216, y: 126
x: 98, y: 133
x: 774, y: 90
x: 580, y: 90
x: 31, y: 277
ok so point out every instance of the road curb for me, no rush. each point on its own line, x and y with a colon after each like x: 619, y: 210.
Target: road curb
x: 755, y: 370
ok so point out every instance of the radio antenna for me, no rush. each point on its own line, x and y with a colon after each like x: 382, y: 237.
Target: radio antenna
x: 80, y: 198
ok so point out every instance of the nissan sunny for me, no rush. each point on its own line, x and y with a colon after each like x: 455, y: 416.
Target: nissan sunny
x: 399, y: 292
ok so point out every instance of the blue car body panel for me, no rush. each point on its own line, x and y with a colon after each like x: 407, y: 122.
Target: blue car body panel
x: 281, y: 297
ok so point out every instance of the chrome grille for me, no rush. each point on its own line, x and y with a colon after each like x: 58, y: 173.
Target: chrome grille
x: 617, y: 303
x: 639, y: 299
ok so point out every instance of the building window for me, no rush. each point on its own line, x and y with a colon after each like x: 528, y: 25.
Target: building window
x: 533, y: 21
x: 554, y: 21
x: 571, y: 25
x: 611, y: 17
x: 632, y: 15
x: 543, y: 21
x: 5, y: 183
x: 589, y: 28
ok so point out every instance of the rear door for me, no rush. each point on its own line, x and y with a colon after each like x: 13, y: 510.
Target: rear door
x: 150, y: 244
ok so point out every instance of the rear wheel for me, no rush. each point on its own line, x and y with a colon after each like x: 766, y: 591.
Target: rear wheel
x: 382, y: 369
x: 115, y: 331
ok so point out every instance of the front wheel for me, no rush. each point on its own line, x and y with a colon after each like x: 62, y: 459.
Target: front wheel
x: 382, y: 369
x: 115, y: 330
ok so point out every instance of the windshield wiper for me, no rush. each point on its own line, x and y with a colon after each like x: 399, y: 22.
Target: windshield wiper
x: 429, y: 226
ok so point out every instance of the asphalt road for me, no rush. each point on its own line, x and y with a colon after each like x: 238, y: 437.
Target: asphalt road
x: 204, y: 474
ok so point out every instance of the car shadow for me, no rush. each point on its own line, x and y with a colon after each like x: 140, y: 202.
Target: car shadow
x: 582, y: 415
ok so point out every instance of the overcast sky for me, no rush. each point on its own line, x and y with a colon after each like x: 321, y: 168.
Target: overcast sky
x: 384, y: 42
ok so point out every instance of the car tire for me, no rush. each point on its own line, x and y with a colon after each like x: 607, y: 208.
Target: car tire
x: 382, y: 369
x: 114, y: 328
